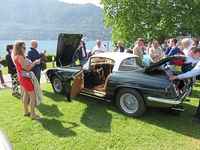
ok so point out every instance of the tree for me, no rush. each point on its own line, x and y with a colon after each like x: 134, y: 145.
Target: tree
x: 151, y: 19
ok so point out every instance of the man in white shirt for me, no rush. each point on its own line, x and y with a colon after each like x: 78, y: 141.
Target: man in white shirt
x: 155, y: 52
x: 190, y: 62
x: 195, y: 54
x: 99, y: 48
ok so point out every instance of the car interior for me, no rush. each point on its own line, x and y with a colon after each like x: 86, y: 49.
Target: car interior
x: 96, y: 77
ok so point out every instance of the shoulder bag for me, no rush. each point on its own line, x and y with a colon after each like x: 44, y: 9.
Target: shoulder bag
x: 26, y: 74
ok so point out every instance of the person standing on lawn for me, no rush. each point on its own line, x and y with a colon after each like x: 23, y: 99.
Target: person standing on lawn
x: 12, y: 70
x: 33, y: 55
x: 195, y: 54
x: 26, y: 83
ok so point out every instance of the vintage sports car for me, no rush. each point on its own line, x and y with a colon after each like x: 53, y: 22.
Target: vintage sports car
x: 120, y: 77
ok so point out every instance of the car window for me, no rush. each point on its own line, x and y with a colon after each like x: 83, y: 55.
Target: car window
x: 101, y: 60
x: 129, y: 64
x: 141, y: 63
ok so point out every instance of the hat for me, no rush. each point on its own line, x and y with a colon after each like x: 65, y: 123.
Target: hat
x: 140, y: 39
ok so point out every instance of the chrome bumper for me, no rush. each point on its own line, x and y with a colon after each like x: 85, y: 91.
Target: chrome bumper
x: 170, y: 101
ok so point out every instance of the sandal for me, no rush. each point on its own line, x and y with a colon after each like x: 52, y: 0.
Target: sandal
x: 16, y: 94
x: 36, y: 118
x: 28, y: 114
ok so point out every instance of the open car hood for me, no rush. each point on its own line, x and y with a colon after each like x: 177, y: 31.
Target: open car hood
x: 66, y: 47
x: 164, y: 60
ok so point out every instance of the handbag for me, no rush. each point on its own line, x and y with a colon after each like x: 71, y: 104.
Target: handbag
x: 43, y: 62
x: 26, y: 74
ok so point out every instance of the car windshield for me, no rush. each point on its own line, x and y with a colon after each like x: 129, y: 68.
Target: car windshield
x: 132, y: 63
x: 101, y: 60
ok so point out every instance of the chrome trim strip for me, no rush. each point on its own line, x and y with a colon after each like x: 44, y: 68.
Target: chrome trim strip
x: 170, y: 101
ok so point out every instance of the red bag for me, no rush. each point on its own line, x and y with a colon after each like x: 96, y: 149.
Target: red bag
x: 179, y: 62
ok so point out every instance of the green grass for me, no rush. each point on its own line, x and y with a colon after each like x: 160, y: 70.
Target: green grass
x: 91, y: 124
x: 5, y: 69
x: 88, y: 123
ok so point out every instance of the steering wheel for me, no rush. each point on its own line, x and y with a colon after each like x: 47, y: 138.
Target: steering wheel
x: 98, y: 70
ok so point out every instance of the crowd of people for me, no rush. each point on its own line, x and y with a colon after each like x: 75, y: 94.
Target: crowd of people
x: 18, y: 62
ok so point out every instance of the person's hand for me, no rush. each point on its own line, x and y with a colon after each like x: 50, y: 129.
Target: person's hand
x: 79, y: 47
x: 44, y: 51
x: 173, y: 78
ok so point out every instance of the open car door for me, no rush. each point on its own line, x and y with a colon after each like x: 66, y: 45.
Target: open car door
x: 77, y: 84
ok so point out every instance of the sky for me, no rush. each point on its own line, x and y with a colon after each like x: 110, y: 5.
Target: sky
x: 96, y: 2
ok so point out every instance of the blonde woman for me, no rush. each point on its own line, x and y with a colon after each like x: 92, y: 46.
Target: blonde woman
x: 27, y: 85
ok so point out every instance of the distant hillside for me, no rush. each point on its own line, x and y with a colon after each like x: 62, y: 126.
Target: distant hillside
x: 45, y: 19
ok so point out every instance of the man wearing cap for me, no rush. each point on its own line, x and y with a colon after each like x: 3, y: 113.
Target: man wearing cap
x: 137, y: 50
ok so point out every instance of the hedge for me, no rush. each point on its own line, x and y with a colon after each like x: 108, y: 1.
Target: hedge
x: 49, y: 57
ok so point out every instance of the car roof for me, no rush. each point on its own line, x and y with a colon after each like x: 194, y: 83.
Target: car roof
x: 117, y: 57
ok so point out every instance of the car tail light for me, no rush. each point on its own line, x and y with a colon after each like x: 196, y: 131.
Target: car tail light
x: 176, y: 89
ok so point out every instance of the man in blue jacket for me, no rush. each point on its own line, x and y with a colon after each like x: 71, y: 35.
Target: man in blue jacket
x: 174, y: 50
x: 33, y: 54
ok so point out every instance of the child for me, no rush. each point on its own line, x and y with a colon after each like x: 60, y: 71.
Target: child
x: 12, y: 71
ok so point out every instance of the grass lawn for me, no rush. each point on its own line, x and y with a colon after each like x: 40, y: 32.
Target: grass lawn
x: 91, y: 124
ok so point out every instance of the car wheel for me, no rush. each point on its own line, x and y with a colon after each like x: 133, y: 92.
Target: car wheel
x: 57, y: 85
x: 130, y: 102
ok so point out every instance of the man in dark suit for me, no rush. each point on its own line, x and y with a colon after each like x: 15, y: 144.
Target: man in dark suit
x: 33, y: 54
x: 79, y: 54
x: 118, y: 47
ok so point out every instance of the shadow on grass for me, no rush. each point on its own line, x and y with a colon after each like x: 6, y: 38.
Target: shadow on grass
x: 55, y: 127
x: 51, y: 111
x: 96, y: 115
x: 195, y: 93
x: 197, y: 84
x: 181, y: 123
x: 53, y: 96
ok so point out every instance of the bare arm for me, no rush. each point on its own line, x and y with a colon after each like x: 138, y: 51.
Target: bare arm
x: 25, y: 65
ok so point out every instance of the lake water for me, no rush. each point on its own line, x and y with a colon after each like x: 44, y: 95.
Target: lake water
x: 49, y: 45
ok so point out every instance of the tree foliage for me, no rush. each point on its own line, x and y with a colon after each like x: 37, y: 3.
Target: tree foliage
x: 151, y: 19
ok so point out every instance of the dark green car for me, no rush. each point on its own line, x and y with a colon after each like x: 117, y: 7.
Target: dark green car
x: 120, y: 77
